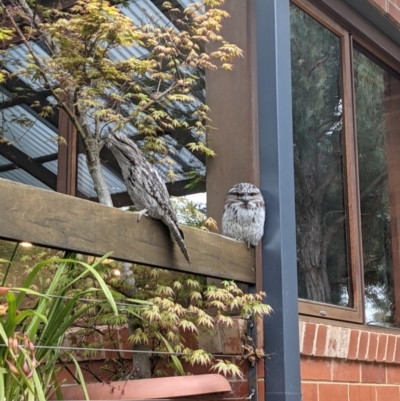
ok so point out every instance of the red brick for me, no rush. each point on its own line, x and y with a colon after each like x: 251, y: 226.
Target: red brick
x: 315, y: 369
x: 260, y: 332
x: 239, y: 389
x: 353, y: 344
x: 124, y: 342
x: 362, y: 393
x: 309, y: 336
x: 309, y: 392
x: 394, y: 12
x: 91, y: 370
x: 381, y: 3
x: 363, y: 345
x: 373, y: 373
x: 321, y: 340
x: 65, y: 375
x: 397, y: 351
x: 393, y: 374
x: 389, y: 393
x: 195, y: 369
x: 261, y: 390
x: 345, y: 371
x: 382, y: 343
x: 333, y: 392
x: 372, y: 347
x: 391, y: 347
x: 232, y: 337
x: 260, y: 369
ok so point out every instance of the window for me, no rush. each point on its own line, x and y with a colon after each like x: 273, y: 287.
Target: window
x: 346, y: 136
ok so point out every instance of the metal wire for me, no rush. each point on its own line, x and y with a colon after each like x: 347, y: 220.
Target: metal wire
x: 185, y: 399
x: 86, y: 300
x: 66, y: 348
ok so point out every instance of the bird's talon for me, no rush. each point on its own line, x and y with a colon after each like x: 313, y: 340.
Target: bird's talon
x: 142, y: 213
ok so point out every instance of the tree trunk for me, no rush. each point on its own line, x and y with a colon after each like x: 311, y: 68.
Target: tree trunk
x: 310, y: 238
x: 94, y: 166
x: 140, y: 360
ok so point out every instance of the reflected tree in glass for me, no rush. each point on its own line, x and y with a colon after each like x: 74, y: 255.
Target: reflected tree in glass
x: 373, y: 92
x: 319, y: 173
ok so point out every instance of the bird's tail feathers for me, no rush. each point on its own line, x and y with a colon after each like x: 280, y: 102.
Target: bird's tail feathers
x: 178, y: 236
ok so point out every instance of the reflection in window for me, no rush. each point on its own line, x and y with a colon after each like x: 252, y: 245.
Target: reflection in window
x: 29, y: 143
x: 323, y: 272
x: 377, y: 108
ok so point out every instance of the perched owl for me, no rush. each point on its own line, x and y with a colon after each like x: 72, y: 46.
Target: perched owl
x: 244, y: 214
x: 145, y: 187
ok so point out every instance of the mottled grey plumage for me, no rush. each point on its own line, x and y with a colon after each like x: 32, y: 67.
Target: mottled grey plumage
x: 244, y: 214
x: 145, y: 187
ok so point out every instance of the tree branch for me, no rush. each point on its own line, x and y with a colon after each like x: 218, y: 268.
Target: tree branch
x: 374, y: 184
x: 156, y: 98
x: 59, y: 99
x: 35, y: 20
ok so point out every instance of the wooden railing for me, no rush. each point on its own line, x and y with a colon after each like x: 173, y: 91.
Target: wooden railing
x: 59, y: 221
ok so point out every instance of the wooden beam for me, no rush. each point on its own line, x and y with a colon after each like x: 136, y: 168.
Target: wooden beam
x: 177, y: 188
x: 59, y: 221
x: 40, y: 159
x: 67, y: 156
x: 31, y: 166
x: 27, y: 99
x: 27, y: 95
x: 60, y: 4
x: 232, y: 98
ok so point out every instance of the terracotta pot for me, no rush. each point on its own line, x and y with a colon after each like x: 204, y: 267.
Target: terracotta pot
x: 163, y: 387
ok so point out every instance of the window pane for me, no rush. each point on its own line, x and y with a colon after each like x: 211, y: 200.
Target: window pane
x: 323, y: 269
x: 377, y: 107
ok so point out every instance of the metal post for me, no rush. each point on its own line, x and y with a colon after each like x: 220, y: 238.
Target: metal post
x: 282, y: 370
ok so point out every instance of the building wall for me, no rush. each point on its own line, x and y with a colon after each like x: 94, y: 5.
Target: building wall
x: 348, y: 364
x: 224, y: 341
x: 391, y: 8
x: 342, y: 362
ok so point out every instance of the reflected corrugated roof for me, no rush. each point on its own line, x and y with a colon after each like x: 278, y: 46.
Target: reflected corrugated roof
x: 4, y: 161
x: 180, y: 160
x: 140, y: 12
x: 85, y: 182
x: 19, y: 175
x: 187, y: 3
x: 4, y: 95
x: 35, y: 137
x: 52, y: 166
x: 136, y: 11
x: 18, y: 59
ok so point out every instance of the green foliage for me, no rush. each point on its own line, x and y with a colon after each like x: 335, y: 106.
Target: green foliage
x: 169, y: 312
x: 174, y: 309
x: 190, y: 214
x: 157, y: 93
x: 182, y: 307
x: 29, y: 337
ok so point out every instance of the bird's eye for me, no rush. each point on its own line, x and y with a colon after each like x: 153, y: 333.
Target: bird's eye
x: 235, y: 193
x: 253, y: 194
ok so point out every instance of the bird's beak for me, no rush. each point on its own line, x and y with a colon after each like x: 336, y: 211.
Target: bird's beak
x: 246, y: 199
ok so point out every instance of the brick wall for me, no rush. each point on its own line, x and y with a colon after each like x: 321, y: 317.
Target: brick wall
x: 224, y: 341
x: 346, y: 364
x: 391, y: 8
